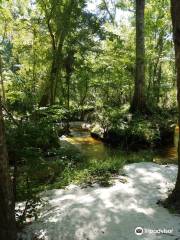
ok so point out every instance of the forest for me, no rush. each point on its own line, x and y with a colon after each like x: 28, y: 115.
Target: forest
x: 89, y: 119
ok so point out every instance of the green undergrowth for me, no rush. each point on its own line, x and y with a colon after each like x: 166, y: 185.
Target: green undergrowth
x: 102, y: 171
x: 63, y: 166
x: 135, y: 131
x: 72, y: 167
x: 40, y: 161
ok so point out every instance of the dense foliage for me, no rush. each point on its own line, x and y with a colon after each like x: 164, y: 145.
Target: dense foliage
x: 65, y: 60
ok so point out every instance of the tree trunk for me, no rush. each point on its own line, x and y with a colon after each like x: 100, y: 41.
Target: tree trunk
x: 7, y: 215
x: 174, y: 198
x: 49, y: 96
x: 2, y: 81
x: 69, y: 70
x: 68, y: 76
x: 159, y: 47
x: 158, y: 84
x: 138, y: 102
x: 34, y: 62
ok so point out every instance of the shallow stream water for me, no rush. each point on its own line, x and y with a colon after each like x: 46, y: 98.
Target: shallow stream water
x: 96, y: 149
x: 168, y: 154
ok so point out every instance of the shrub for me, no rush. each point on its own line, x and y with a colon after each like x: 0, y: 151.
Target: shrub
x: 51, y: 114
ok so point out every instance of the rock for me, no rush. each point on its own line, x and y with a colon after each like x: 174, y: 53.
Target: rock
x: 97, y: 132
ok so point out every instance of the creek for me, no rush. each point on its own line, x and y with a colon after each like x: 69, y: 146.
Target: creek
x: 96, y: 149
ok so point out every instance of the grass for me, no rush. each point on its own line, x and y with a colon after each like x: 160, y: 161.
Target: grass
x: 71, y: 167
x: 90, y: 171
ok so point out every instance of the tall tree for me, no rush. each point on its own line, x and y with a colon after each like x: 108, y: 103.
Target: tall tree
x: 174, y: 198
x: 138, y: 103
x: 61, y: 19
x: 7, y: 215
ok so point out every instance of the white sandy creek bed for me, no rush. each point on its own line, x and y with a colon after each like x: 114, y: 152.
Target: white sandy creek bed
x: 111, y: 213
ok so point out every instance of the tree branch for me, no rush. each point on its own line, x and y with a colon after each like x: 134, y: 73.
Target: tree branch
x: 108, y: 11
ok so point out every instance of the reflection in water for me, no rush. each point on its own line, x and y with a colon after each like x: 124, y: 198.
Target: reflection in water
x: 96, y: 149
x: 169, y: 154
x: 92, y: 148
